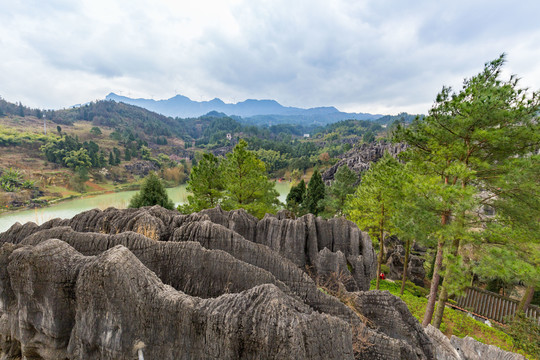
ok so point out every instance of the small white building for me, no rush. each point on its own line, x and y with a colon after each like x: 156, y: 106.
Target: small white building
x: 306, y: 135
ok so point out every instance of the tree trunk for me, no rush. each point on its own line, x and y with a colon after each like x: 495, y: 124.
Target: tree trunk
x: 526, y: 300
x: 434, y: 285
x: 381, y: 248
x: 443, y: 296
x: 405, y: 266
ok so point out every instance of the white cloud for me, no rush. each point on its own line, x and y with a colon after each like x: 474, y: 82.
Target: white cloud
x: 377, y: 56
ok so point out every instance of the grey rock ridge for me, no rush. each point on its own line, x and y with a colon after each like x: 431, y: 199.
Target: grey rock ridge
x: 210, y: 285
x: 470, y: 349
x: 360, y: 158
x: 466, y: 348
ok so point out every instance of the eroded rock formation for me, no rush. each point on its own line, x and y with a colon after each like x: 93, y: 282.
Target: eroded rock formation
x: 465, y: 348
x: 360, y: 158
x: 210, y: 285
x: 470, y: 349
x: 395, y: 258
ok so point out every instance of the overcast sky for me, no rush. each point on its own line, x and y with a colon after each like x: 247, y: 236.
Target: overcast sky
x: 363, y: 56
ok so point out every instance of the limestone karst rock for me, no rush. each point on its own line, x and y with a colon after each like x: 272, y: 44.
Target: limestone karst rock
x: 66, y: 305
x: 360, y: 158
x: 465, y: 348
x: 470, y: 349
x: 208, y: 285
x: 443, y: 348
x: 395, y: 257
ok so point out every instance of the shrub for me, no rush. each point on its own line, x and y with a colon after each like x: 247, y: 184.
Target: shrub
x: 176, y: 175
x: 525, y: 333
x: 152, y: 193
x: 12, y: 180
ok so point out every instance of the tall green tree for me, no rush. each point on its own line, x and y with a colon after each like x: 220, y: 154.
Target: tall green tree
x: 413, y: 217
x: 127, y: 154
x: 315, y: 193
x: 152, y: 193
x: 295, y: 198
x: 116, y: 156
x: 206, y: 185
x: 78, y: 159
x: 466, y: 141
x: 342, y: 186
x: 511, y: 250
x: 372, y: 205
x: 246, y: 183
x: 111, y: 159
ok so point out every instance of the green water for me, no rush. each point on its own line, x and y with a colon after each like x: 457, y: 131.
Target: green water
x: 120, y: 200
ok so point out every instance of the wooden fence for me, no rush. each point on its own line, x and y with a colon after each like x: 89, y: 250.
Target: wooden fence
x: 493, y: 306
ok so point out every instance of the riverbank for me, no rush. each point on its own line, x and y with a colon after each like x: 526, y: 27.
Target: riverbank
x: 66, y: 195
x: 68, y: 207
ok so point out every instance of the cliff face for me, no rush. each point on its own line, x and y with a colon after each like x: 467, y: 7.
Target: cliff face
x: 210, y: 285
x: 360, y: 158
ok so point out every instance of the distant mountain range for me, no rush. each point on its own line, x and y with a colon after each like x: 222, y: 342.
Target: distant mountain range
x: 258, y: 111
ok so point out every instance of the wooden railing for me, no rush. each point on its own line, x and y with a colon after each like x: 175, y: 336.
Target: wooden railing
x: 494, y: 306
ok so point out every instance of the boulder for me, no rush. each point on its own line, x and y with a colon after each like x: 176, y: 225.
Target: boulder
x: 444, y: 350
x: 470, y: 349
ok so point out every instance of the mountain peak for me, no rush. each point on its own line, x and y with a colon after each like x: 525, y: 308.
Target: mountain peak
x: 184, y: 107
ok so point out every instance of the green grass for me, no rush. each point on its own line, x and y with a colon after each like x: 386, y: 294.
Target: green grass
x: 454, y: 322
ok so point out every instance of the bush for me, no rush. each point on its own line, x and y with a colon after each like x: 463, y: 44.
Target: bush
x: 77, y: 183
x: 12, y: 180
x: 176, y: 175
x: 525, y: 333
x: 152, y: 193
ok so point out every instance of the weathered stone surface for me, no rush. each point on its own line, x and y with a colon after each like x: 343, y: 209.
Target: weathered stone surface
x: 395, y: 258
x: 470, y: 349
x: 187, y: 267
x: 217, y: 237
x: 237, y: 220
x: 66, y: 305
x: 443, y: 348
x: 360, y: 158
x: 465, y: 348
x: 401, y: 334
x: 303, y: 240
x: 208, y: 292
x: 141, y: 168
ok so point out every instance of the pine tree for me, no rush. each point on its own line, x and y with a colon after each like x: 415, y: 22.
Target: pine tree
x: 111, y: 159
x: 116, y: 156
x: 127, y: 154
x: 295, y: 198
x: 152, y: 193
x: 205, y: 184
x: 315, y: 193
x: 341, y: 187
x: 467, y: 141
x: 246, y: 183
x: 20, y: 110
x: 374, y: 203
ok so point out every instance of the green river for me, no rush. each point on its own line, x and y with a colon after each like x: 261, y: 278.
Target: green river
x: 69, y: 208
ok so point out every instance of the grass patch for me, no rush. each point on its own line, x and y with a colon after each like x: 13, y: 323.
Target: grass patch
x: 454, y: 322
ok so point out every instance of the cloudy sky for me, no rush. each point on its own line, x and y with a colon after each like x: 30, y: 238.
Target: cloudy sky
x: 365, y: 56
